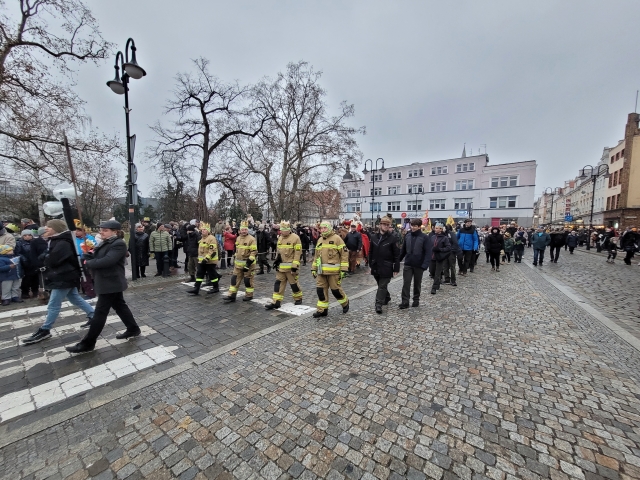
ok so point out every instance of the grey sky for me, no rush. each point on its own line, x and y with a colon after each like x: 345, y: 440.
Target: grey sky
x: 549, y: 80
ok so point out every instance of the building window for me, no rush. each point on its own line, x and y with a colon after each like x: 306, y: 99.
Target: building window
x: 394, y: 190
x: 612, y: 157
x: 439, y: 170
x: 376, y: 192
x: 465, y: 167
x: 622, y: 153
x: 413, y: 205
x: 437, y: 204
x: 352, y: 207
x: 395, y: 176
x: 608, y: 203
x: 353, y: 193
x: 419, y: 172
x: 375, y: 206
x: 437, y: 187
x: 511, y: 181
x: 502, y: 202
x: 377, y: 177
x: 464, y: 184
x: 393, y: 206
x: 417, y: 188
x: 618, y: 201
x: 462, y: 203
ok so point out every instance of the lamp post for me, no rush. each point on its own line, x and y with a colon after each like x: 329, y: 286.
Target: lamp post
x: 120, y: 85
x: 594, y: 173
x: 552, y: 192
x: 417, y: 193
x: 373, y: 175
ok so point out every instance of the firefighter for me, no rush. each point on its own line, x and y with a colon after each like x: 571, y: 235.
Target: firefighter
x: 330, y: 264
x: 244, y: 265
x: 207, y: 261
x: 287, y: 263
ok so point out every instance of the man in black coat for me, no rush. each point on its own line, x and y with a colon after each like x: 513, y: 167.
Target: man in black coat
x: 416, y: 252
x: 440, y: 252
x: 353, y: 241
x: 384, y: 260
x: 106, y: 263
x: 191, y: 244
x: 262, y: 240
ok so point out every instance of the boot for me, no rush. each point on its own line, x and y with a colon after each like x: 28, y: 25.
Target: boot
x: 323, y: 313
x: 195, y: 290
x: 268, y: 268
x: 272, y: 306
x: 229, y: 299
x: 247, y: 299
x: 433, y: 290
x: 345, y: 309
x: 298, y: 302
x: 378, y: 308
x: 214, y: 289
x: 192, y: 278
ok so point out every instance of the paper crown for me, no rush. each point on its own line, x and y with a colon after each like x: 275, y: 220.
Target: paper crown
x: 244, y: 224
x: 77, y: 222
x: 285, y: 226
x: 205, y: 226
x: 146, y: 219
x: 326, y: 224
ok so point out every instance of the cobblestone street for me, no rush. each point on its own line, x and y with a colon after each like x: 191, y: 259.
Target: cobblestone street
x: 503, y: 377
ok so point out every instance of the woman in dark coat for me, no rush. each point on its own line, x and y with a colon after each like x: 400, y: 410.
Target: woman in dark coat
x: 106, y: 263
x: 142, y: 250
x: 494, y: 243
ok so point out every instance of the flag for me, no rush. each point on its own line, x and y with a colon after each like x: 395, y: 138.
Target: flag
x: 450, y: 221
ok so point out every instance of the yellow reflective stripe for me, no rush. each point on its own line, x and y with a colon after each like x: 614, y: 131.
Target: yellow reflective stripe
x: 232, y: 289
x: 335, y: 247
x: 343, y: 301
x: 296, y: 262
x: 241, y: 262
x: 246, y: 247
x: 297, y: 296
x: 252, y: 258
x: 285, y: 246
x: 344, y: 264
x: 298, y: 246
x: 249, y: 290
x: 277, y: 297
x: 199, y: 279
x: 322, y: 304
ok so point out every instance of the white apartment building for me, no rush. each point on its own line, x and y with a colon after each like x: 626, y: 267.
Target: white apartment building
x: 461, y: 187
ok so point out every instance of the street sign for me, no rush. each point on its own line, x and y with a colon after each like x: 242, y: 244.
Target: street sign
x: 568, y: 218
x: 462, y: 213
x: 403, y: 215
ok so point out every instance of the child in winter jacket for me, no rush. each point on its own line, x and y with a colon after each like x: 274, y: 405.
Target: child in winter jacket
x: 10, y: 275
x: 509, y: 243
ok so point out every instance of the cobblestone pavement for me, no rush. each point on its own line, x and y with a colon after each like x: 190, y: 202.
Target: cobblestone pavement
x: 499, y: 378
x: 176, y: 328
x: 612, y: 289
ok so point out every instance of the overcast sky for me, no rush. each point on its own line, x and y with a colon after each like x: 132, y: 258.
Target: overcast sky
x: 551, y: 81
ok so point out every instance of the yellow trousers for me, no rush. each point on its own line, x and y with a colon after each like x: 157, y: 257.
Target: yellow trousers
x: 323, y: 284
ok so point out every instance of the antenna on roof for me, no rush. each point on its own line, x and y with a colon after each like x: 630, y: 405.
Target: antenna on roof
x: 485, y: 148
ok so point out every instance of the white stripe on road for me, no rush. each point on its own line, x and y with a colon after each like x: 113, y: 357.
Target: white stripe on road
x: 60, y: 353
x: 42, y: 308
x: 30, y: 399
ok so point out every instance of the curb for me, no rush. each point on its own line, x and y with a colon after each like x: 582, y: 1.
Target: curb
x: 7, y: 437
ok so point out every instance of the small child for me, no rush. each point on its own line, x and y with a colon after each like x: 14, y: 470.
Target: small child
x: 10, y: 275
x: 612, y: 248
x: 509, y: 243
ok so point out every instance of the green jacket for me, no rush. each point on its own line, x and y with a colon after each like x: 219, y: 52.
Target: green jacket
x: 159, y: 241
x: 508, y: 245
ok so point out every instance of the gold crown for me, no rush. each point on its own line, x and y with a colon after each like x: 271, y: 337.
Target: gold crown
x: 285, y: 226
x: 77, y: 222
x: 244, y: 224
x: 205, y: 226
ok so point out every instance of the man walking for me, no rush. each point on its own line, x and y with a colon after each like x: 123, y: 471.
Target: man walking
x: 262, y: 240
x: 244, y: 266
x: 106, y: 263
x: 539, y: 241
x: 207, y: 261
x: 440, y: 252
x: 468, y: 242
x: 353, y: 240
x: 287, y: 264
x: 384, y: 260
x: 416, y: 253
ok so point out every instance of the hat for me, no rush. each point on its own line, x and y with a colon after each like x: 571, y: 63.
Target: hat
x: 193, y: 221
x: 285, y: 226
x: 244, y: 224
x: 387, y: 220
x: 205, y: 226
x: 326, y: 224
x: 146, y: 219
x: 41, y: 231
x: 6, y: 249
x: 26, y: 232
x: 111, y: 225
x: 191, y: 228
x: 439, y: 225
x: 11, y: 228
x: 58, y: 226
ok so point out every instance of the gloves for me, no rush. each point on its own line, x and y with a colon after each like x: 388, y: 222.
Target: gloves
x: 342, y: 275
x: 294, y: 270
x: 314, y: 273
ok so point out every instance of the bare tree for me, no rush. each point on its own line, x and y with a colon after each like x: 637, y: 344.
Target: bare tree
x: 40, y: 42
x: 302, y: 148
x: 208, y: 112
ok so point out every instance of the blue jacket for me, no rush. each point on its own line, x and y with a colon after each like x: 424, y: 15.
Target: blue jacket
x: 8, y: 273
x: 540, y: 242
x: 468, y: 238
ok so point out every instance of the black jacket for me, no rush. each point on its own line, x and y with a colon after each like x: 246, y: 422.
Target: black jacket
x: 453, y: 238
x: 353, y: 241
x: 494, y: 243
x: 572, y: 240
x: 628, y: 241
x: 142, y: 249
x: 440, y: 246
x: 558, y: 239
x: 304, y: 240
x: 61, y: 262
x: 263, y: 240
x: 191, y: 244
x: 107, y: 266
x: 384, y: 255
x: 416, y: 250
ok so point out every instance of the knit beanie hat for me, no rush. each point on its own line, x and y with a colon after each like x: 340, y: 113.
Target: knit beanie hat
x: 41, y: 231
x: 58, y: 226
x: 26, y: 232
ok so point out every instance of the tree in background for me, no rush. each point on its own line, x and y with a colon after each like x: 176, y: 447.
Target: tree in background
x: 35, y: 105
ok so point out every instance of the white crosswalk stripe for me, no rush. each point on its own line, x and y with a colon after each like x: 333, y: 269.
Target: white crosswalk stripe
x: 30, y: 399
x: 39, y: 309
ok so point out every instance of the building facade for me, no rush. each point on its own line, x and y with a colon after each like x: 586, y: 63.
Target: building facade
x: 459, y: 187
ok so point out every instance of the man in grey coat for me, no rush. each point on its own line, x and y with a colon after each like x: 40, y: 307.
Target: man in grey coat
x: 106, y: 263
x: 539, y: 240
x: 416, y: 252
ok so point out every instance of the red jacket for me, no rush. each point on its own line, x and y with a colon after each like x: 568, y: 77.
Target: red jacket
x: 229, y: 241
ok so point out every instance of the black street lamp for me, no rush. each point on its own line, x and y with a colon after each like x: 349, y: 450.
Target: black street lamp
x: 594, y: 173
x: 373, y: 176
x: 552, y: 192
x: 120, y: 85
